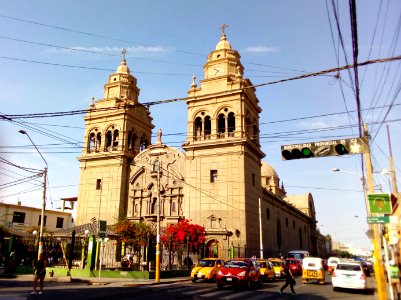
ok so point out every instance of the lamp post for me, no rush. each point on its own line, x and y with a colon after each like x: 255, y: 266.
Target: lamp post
x: 42, y: 217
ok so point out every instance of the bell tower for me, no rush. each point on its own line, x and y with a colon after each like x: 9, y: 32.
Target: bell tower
x: 223, y: 150
x: 117, y: 128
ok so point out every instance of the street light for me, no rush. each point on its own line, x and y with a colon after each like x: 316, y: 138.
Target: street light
x: 42, y: 217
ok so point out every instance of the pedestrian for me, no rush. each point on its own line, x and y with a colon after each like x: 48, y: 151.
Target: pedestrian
x: 12, y: 262
x: 289, y: 280
x: 39, y: 273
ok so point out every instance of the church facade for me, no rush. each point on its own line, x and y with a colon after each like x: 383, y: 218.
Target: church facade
x: 217, y: 179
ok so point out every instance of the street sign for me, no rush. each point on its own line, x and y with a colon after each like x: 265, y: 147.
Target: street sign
x: 102, y: 229
x: 324, y: 148
x: 379, y: 203
x: 378, y: 220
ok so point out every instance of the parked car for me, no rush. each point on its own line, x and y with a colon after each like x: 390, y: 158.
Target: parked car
x: 312, y: 269
x: 349, y: 275
x: 206, y: 269
x: 295, y: 266
x: 332, y: 263
x: 278, y: 266
x: 266, y: 269
x: 239, y: 272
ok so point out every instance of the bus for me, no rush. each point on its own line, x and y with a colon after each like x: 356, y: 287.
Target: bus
x: 298, y: 254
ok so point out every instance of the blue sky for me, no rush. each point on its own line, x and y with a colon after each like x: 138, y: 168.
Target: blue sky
x: 167, y: 43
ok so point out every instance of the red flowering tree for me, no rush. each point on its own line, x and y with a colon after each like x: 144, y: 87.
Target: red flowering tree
x: 182, y: 232
x: 135, y: 234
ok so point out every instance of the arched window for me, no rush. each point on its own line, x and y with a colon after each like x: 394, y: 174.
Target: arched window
x: 231, y: 124
x: 221, y: 125
x: 155, y: 166
x: 153, y: 206
x: 111, y: 139
x: 198, y: 128
x: 94, y: 142
x: 207, y: 127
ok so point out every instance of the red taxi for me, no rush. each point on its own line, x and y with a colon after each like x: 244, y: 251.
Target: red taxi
x: 295, y: 266
x: 239, y: 272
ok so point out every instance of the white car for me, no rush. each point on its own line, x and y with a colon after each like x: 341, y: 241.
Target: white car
x: 349, y: 275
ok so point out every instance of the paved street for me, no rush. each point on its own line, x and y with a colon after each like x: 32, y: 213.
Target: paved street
x: 17, y: 289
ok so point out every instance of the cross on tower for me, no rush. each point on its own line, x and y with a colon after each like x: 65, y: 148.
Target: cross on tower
x: 123, y: 52
x: 222, y: 27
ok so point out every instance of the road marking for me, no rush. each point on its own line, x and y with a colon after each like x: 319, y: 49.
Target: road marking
x: 199, y: 291
x: 238, y: 295
x: 215, y: 293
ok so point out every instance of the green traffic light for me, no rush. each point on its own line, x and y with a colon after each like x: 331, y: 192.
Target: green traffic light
x: 340, y: 149
x: 306, y: 152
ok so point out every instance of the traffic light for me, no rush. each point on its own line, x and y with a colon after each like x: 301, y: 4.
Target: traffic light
x: 324, y: 148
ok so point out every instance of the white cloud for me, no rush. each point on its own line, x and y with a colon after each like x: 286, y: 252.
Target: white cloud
x: 261, y: 49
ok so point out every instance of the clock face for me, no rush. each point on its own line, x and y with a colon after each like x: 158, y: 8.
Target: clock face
x: 218, y: 71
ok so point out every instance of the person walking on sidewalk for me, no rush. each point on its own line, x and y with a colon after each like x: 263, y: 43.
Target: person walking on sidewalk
x: 289, y: 280
x: 39, y: 273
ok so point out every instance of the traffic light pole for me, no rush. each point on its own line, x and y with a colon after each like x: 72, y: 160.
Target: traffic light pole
x: 377, y: 249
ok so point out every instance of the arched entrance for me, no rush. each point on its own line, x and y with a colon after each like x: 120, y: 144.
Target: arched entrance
x: 213, y: 249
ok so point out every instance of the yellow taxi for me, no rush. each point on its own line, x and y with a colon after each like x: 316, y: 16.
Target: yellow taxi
x: 278, y: 265
x: 313, y: 270
x: 207, y: 269
x: 266, y: 269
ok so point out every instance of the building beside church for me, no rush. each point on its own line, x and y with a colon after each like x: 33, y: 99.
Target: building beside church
x: 217, y: 179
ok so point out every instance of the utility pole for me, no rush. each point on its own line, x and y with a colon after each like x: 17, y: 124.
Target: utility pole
x: 377, y: 249
x: 157, y: 271
x: 392, y: 170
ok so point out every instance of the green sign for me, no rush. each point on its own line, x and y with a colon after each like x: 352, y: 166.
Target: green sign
x: 379, y: 203
x: 378, y: 220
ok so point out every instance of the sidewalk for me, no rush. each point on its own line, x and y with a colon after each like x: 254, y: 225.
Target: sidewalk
x: 96, y: 280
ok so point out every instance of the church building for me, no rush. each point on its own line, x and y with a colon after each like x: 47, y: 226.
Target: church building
x: 216, y: 179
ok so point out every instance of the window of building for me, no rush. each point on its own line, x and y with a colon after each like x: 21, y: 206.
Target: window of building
x: 231, y: 124
x: 40, y: 218
x: 301, y: 244
x: 173, y: 207
x: 279, y: 233
x: 286, y: 222
x: 253, y: 179
x: 98, y: 184
x: 18, y: 217
x: 59, y: 222
x: 267, y: 213
x: 213, y: 175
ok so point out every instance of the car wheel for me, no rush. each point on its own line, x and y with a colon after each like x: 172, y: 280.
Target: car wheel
x: 194, y: 279
x: 334, y: 288
x: 219, y: 286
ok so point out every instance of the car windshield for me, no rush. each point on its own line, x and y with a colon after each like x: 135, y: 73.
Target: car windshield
x: 347, y: 267
x: 261, y: 264
x: 291, y: 262
x: 236, y: 264
x: 206, y: 263
x: 276, y: 263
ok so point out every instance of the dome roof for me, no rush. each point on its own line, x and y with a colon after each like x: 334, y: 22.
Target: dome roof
x: 267, y: 170
x: 123, y: 69
x: 223, y: 43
